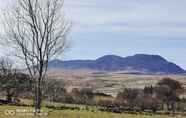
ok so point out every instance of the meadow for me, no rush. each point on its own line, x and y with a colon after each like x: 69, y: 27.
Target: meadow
x: 109, y: 83
x: 70, y: 114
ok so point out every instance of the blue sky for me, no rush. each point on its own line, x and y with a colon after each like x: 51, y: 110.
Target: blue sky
x: 126, y: 27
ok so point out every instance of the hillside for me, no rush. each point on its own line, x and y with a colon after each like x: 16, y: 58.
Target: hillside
x: 140, y: 63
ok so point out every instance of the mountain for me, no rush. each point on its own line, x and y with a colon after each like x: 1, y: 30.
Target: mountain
x: 142, y: 63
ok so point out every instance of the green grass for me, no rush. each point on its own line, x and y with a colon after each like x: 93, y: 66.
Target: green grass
x: 99, y: 98
x: 74, y: 114
x: 71, y: 114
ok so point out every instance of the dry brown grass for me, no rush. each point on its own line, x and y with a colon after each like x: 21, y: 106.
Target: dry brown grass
x: 110, y: 83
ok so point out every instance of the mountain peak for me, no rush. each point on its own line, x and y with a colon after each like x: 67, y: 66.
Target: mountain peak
x: 140, y: 62
x: 146, y: 57
x: 109, y: 57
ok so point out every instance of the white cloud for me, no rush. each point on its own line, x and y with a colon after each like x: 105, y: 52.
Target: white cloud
x: 161, y: 17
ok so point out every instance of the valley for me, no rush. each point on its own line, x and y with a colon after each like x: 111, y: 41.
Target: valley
x: 108, y: 82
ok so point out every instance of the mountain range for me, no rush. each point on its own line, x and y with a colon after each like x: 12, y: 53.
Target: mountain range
x: 141, y: 63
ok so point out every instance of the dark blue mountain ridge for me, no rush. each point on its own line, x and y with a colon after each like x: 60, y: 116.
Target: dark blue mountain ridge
x: 140, y: 62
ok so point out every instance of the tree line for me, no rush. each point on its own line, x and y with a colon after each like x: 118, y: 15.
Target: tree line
x: 164, y: 96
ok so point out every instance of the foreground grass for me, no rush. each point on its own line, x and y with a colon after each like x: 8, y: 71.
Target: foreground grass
x: 74, y: 114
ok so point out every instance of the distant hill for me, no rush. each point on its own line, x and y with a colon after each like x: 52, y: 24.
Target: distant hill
x: 140, y: 63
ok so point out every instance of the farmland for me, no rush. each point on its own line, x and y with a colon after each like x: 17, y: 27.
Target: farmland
x: 109, y: 83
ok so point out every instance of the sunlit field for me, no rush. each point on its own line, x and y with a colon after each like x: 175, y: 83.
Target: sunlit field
x: 71, y: 114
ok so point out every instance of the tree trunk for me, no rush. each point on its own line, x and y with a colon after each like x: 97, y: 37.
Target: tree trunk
x: 38, y: 96
x: 9, y: 98
x: 162, y: 106
x: 168, y: 107
x: 173, y: 108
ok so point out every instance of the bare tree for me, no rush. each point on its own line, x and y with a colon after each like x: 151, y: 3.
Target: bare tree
x: 54, y: 90
x: 169, y: 90
x: 12, y: 82
x: 7, y: 77
x: 37, y: 29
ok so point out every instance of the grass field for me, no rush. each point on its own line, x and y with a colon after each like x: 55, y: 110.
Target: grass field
x: 70, y: 114
x: 109, y: 83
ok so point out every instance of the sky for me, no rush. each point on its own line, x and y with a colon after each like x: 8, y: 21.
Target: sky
x: 125, y: 28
